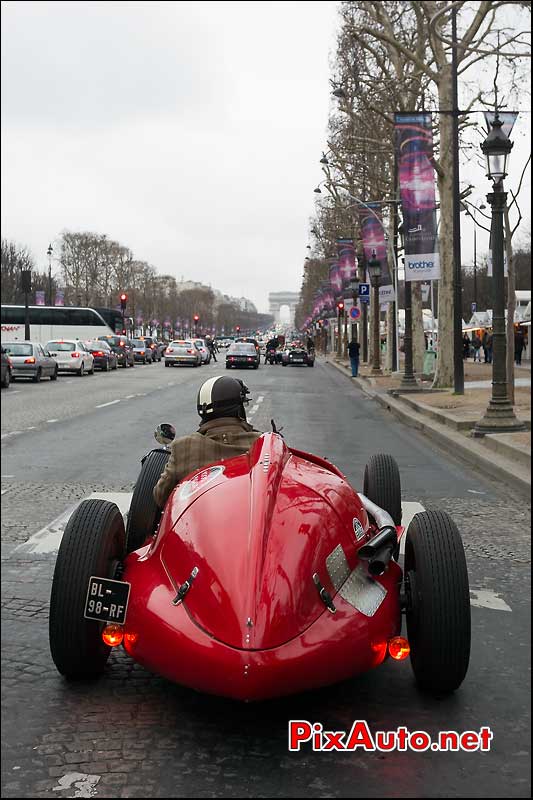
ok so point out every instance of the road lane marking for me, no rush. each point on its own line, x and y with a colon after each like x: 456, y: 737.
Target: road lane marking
x: 260, y: 398
x: 129, y: 396
x: 15, y: 391
x: 485, y: 598
x: 52, y: 420
x: 48, y: 539
x: 254, y: 409
x: 112, y: 403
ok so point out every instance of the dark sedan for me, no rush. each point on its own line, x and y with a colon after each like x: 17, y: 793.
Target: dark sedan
x: 298, y: 355
x: 104, y: 358
x: 242, y: 354
x: 122, y: 348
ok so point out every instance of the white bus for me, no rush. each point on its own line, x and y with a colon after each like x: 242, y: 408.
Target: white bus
x: 52, y: 322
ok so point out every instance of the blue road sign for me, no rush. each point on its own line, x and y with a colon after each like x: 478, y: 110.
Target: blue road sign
x: 364, y: 290
x: 355, y: 312
x: 365, y: 299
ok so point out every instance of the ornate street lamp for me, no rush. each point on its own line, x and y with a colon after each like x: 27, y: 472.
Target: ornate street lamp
x: 354, y: 289
x: 49, y: 254
x: 374, y: 270
x: 499, y: 416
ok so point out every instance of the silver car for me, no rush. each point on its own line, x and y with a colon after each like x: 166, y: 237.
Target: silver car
x: 203, y: 349
x: 182, y: 351
x: 71, y: 355
x: 30, y: 360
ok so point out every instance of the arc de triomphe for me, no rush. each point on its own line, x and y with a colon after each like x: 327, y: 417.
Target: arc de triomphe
x: 278, y: 299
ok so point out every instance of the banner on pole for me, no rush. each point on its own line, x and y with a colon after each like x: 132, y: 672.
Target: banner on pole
x: 414, y: 148
x: 373, y: 236
x: 347, y: 261
x: 59, y: 298
x: 39, y: 298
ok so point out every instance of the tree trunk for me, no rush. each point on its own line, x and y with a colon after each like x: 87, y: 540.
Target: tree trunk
x: 419, y: 344
x: 511, y: 306
x: 444, y: 376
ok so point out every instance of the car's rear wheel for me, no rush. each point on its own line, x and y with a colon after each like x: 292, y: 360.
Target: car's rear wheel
x: 437, y: 602
x: 7, y: 380
x: 93, y: 544
x: 144, y: 514
x: 167, y: 364
x: 38, y: 375
x: 53, y: 376
x: 81, y: 371
x: 106, y: 368
x: 91, y: 371
x: 382, y: 485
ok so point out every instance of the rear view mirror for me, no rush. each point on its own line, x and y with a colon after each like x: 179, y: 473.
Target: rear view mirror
x: 165, y: 433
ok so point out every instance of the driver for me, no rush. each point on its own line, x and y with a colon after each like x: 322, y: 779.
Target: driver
x: 223, y: 433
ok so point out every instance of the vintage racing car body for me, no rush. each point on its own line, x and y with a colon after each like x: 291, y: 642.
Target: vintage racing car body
x: 260, y: 580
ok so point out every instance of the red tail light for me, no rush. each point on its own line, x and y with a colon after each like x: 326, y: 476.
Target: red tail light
x: 74, y: 355
x: 190, y: 351
x: 250, y: 358
x: 97, y: 353
x: 169, y: 350
x: 142, y: 352
x: 30, y: 360
x: 121, y: 344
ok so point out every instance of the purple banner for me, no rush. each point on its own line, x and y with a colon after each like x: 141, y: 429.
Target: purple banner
x: 59, y: 298
x: 39, y: 298
x: 335, y: 277
x: 416, y: 175
x: 373, y: 236
x: 347, y: 260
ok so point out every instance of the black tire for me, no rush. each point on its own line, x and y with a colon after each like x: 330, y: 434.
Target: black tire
x: 81, y: 371
x: 106, y: 368
x: 311, y: 365
x: 7, y: 380
x: 144, y: 514
x: 167, y: 363
x: 438, y: 602
x: 53, y: 376
x: 38, y: 375
x: 93, y: 544
x: 91, y: 371
x: 382, y: 485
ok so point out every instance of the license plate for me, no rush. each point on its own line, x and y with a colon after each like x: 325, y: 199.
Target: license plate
x: 298, y: 360
x: 107, y: 600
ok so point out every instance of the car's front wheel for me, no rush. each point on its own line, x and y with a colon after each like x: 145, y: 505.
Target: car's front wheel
x: 437, y: 600
x: 144, y: 514
x: 53, y: 376
x: 93, y: 545
x: 382, y: 485
x: 38, y: 375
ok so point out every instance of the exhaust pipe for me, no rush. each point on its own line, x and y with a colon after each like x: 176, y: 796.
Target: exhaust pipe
x: 379, y: 550
x: 382, y: 518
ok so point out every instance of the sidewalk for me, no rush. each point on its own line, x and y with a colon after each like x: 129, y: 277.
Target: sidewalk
x: 448, y: 418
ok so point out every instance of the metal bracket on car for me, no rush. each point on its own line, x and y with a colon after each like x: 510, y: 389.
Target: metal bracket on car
x: 184, y: 588
x: 324, y: 594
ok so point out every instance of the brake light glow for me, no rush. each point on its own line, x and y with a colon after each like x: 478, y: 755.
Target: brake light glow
x: 169, y: 350
x: 121, y: 344
x: 97, y: 353
x: 113, y: 634
x: 142, y: 352
x: 250, y: 358
x: 75, y: 355
x: 30, y: 360
x: 189, y: 351
x: 398, y: 648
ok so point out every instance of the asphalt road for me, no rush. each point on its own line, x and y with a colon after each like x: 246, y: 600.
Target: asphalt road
x: 132, y: 734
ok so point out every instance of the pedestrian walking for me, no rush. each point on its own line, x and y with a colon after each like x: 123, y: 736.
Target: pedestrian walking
x: 476, y: 344
x: 489, y: 347
x: 353, y: 352
x: 519, y: 346
x: 466, y: 345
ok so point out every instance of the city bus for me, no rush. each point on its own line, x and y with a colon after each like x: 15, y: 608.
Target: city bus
x: 53, y: 322
x: 114, y: 319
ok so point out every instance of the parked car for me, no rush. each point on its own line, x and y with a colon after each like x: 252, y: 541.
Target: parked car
x: 142, y: 351
x: 182, y: 351
x: 71, y: 355
x: 30, y: 360
x: 104, y: 357
x: 204, y: 350
x: 242, y: 354
x: 122, y: 348
x: 6, y: 370
x: 298, y: 355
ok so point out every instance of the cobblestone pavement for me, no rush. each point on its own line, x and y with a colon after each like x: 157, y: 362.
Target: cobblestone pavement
x: 133, y: 734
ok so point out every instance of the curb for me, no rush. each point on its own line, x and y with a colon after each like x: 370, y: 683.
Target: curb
x: 471, y: 451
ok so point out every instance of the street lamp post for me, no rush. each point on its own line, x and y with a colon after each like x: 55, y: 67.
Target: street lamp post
x: 499, y: 416
x: 374, y: 269
x: 354, y: 289
x: 49, y: 254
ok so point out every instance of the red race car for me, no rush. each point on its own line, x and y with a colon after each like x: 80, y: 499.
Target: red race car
x: 266, y: 574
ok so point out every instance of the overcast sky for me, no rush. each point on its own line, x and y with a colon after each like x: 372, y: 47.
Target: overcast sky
x: 190, y: 132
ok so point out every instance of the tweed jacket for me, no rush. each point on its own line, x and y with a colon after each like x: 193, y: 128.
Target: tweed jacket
x: 215, y: 440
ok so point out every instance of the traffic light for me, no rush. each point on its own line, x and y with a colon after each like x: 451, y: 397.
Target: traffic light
x: 340, y: 308
x: 123, y: 301
x: 238, y: 328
